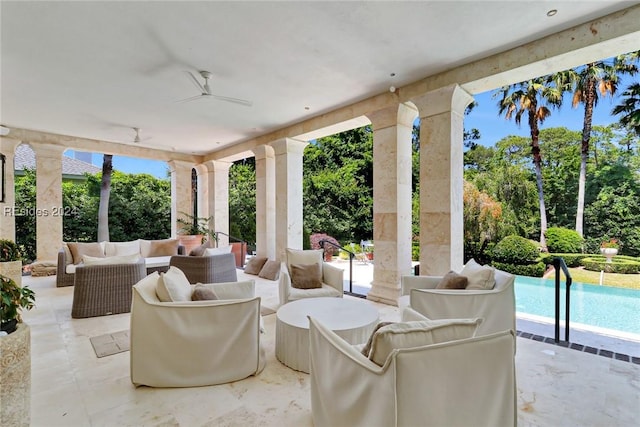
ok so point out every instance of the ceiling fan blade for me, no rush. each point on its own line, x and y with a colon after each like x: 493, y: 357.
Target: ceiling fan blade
x: 234, y: 100
x: 192, y: 98
x: 196, y: 82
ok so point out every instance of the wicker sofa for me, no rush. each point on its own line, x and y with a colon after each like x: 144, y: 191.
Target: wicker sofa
x: 155, y: 253
x: 207, y: 269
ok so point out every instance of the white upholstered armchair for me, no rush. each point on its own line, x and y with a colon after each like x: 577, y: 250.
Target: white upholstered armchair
x: 331, y: 277
x: 195, y: 343
x: 465, y: 382
x: 496, y: 306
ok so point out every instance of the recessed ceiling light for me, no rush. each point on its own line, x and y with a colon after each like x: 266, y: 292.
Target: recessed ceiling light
x: 552, y: 12
x: 392, y: 74
x: 307, y: 108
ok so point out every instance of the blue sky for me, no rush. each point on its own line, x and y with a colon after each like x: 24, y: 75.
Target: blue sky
x: 484, y: 117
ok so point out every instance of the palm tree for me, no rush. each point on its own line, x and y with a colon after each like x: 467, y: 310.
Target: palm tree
x: 629, y: 107
x: 587, y: 83
x: 531, y: 97
x: 105, y: 191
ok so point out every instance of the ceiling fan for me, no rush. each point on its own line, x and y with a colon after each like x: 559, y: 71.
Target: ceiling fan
x: 137, y: 138
x: 205, y: 90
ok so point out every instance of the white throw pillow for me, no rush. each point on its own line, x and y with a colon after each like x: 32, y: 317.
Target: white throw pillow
x: 217, y: 251
x: 173, y: 286
x: 481, y: 277
x: 110, y: 260
x: 122, y: 248
x: 418, y: 334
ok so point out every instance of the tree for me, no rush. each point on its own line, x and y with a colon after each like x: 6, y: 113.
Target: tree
x: 530, y: 98
x: 105, y: 190
x: 629, y: 108
x: 586, y: 82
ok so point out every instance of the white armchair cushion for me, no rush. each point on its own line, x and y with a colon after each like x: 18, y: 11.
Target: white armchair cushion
x: 480, y: 276
x: 301, y: 256
x: 417, y: 334
x: 217, y: 251
x: 173, y: 286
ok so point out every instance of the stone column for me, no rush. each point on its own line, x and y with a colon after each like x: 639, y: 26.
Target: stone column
x: 392, y: 131
x: 181, y: 200
x: 265, y: 201
x: 7, y: 216
x: 213, y: 196
x: 289, y: 213
x: 441, y: 182
x: 49, y: 209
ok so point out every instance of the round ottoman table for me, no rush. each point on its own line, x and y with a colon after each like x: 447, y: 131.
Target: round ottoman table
x: 351, y: 319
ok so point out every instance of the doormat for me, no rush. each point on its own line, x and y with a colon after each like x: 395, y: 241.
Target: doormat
x: 108, y: 344
x: 265, y: 311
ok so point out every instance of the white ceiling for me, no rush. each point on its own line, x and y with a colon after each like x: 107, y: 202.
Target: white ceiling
x: 97, y: 69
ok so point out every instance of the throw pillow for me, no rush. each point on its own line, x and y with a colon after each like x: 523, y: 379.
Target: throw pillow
x: 367, y: 347
x: 306, y: 276
x: 217, y: 251
x: 79, y: 249
x: 255, y: 264
x: 418, y: 334
x: 481, y: 277
x: 202, y: 293
x: 270, y: 270
x: 453, y: 280
x: 166, y: 247
x: 68, y: 258
x: 173, y: 286
x: 199, y: 250
x: 111, y: 260
x: 121, y: 248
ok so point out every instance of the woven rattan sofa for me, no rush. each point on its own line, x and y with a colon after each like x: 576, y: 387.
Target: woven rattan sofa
x: 101, y: 290
x: 68, y: 263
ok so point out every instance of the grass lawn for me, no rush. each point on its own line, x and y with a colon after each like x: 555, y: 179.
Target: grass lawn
x: 631, y: 281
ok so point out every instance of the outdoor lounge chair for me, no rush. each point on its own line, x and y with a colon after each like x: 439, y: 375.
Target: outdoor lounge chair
x: 207, y: 269
x: 332, y: 277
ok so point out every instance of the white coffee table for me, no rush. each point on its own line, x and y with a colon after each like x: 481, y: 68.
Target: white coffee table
x: 351, y: 319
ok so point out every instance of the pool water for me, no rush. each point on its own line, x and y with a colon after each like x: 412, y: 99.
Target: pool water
x: 599, y: 306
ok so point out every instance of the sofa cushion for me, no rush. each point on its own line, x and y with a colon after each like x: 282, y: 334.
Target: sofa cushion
x: 68, y: 257
x: 173, y: 286
x: 121, y: 248
x: 453, y: 280
x: 255, y: 264
x: 324, y: 291
x: 306, y: 276
x: 78, y: 249
x: 217, y: 251
x: 418, y: 334
x: 157, y: 261
x: 202, y: 293
x: 480, y: 277
x: 111, y: 260
x: 270, y: 270
x: 154, y: 248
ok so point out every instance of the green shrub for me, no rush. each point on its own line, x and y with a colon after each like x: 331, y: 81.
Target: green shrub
x: 532, y: 270
x: 621, y: 265
x: 415, y: 252
x: 515, y: 250
x: 563, y: 240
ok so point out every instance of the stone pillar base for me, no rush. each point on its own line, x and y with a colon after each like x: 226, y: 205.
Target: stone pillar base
x: 15, y: 377
x: 384, y: 294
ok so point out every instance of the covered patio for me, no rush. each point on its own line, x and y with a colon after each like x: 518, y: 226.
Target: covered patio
x: 78, y: 76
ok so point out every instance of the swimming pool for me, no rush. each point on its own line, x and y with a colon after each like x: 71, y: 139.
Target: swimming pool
x: 600, y: 306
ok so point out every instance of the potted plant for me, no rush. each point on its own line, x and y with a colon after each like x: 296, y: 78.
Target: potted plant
x: 609, y: 249
x: 10, y: 260
x: 194, y: 231
x: 13, y: 299
x: 15, y: 349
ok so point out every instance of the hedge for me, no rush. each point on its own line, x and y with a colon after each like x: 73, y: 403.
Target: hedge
x: 533, y: 270
x: 618, y: 265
